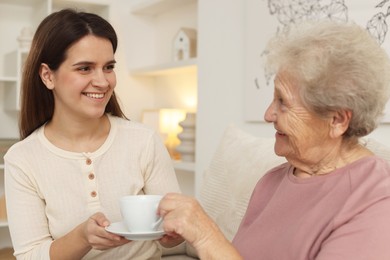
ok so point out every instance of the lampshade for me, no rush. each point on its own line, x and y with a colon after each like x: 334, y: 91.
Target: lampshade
x: 166, y: 123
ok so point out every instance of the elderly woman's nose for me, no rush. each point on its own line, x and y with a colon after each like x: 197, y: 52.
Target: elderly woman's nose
x: 270, y: 114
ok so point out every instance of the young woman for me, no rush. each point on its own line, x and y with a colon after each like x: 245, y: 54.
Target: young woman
x: 78, y: 153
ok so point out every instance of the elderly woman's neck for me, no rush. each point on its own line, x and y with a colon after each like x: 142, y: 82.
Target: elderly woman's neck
x: 335, y: 159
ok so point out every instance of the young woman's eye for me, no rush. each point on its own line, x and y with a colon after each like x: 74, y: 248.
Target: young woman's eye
x: 84, y: 69
x: 110, y: 67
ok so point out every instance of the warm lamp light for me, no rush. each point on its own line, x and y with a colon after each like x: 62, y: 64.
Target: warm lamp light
x: 169, y: 120
x: 166, y: 122
x: 190, y: 102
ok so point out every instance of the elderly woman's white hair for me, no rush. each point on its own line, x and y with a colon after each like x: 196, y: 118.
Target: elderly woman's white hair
x: 339, y: 66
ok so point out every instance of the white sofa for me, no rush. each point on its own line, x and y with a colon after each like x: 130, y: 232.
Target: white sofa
x: 238, y: 163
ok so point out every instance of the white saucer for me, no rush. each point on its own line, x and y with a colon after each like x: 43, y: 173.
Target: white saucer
x: 119, y: 228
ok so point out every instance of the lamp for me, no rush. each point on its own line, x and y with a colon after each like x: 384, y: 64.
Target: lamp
x: 166, y: 122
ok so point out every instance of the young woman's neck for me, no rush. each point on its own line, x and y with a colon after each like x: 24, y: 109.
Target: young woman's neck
x: 78, y: 135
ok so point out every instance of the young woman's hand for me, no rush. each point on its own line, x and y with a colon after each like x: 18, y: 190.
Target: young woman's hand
x: 89, y: 234
x: 97, y: 237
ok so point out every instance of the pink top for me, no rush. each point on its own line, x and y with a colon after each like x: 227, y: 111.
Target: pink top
x: 342, y: 215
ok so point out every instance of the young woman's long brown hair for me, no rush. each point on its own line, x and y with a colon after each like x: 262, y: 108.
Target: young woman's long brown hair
x: 54, y: 36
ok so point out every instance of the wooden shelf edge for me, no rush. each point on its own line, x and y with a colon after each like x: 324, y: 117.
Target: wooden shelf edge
x: 155, y: 7
x: 166, y: 68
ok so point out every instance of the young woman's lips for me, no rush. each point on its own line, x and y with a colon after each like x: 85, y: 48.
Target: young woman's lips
x: 94, y: 95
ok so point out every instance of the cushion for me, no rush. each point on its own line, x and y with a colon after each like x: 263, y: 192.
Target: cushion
x: 238, y: 163
x: 376, y: 147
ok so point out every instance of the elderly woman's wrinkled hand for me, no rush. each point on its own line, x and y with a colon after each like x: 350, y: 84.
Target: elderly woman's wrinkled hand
x: 185, y: 217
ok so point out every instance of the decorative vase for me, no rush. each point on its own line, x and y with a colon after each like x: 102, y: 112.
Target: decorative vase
x: 186, y: 148
x: 25, y: 37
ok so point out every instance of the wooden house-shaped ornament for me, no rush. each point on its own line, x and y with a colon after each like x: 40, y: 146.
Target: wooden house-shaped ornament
x: 184, y: 44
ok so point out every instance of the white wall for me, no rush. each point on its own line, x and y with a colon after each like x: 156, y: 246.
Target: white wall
x: 220, y: 75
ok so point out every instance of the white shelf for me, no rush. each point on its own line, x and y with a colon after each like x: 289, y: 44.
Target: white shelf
x: 3, y: 223
x: 8, y: 79
x: 155, y: 7
x: 100, y: 7
x: 21, y: 2
x: 1, y: 166
x: 184, y: 166
x: 166, y: 68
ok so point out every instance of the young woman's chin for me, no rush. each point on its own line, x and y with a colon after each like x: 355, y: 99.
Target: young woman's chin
x: 94, y: 113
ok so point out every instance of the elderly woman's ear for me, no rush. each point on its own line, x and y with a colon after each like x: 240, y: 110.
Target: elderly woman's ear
x: 339, y: 123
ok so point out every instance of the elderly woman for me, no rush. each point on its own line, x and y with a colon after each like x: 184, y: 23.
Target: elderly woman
x: 331, y: 200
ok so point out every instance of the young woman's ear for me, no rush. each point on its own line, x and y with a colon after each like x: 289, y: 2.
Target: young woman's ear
x: 340, y: 122
x: 47, y: 76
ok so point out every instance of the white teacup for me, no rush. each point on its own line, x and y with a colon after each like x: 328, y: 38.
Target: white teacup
x: 139, y: 212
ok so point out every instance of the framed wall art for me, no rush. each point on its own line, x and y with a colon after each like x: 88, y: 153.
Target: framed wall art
x: 264, y: 18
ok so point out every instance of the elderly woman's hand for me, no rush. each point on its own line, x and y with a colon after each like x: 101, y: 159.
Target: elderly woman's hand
x: 185, y: 217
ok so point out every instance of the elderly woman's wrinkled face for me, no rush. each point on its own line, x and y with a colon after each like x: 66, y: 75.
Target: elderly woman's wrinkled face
x: 299, y: 132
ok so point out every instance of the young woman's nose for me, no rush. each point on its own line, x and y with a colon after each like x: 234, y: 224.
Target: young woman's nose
x: 100, y: 79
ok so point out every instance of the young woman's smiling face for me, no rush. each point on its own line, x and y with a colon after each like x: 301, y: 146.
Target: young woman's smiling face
x: 300, y: 133
x: 85, y: 81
